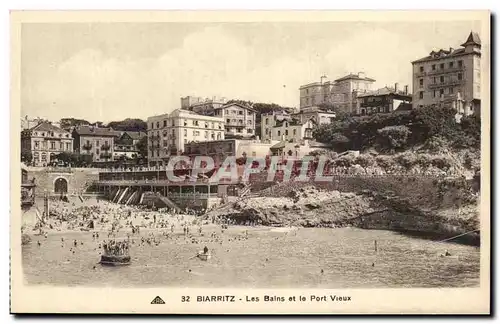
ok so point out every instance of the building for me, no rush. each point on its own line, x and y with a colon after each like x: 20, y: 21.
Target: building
x: 202, y: 106
x: 239, y: 120
x: 220, y: 150
x: 450, y: 77
x: 168, y: 133
x: 96, y: 141
x: 341, y: 93
x: 269, y: 120
x: 297, y: 149
x: 45, y: 141
x: 292, y: 130
x: 126, y: 145
x: 319, y: 115
x: 383, y: 100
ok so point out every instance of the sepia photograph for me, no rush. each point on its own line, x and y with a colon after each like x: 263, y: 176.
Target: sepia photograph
x: 251, y: 162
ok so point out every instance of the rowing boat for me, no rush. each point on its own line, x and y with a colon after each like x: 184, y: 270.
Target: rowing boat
x: 204, y: 256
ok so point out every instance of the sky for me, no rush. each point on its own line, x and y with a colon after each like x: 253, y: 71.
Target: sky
x: 112, y: 71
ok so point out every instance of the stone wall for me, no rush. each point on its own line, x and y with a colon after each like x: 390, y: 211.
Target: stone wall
x: 79, y: 179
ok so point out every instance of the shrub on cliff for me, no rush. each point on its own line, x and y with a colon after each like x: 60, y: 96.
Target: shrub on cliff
x: 393, y: 138
x: 407, y: 160
x: 385, y: 162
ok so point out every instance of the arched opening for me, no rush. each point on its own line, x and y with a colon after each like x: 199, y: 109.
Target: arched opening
x: 61, y: 186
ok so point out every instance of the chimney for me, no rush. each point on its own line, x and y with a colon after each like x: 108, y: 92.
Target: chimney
x: 396, y: 85
x: 406, y: 89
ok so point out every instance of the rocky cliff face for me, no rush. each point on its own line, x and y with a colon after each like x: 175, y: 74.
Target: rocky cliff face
x: 443, y: 207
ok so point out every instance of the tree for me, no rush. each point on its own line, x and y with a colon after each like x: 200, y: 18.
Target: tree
x: 129, y: 124
x: 142, y: 146
x: 26, y: 156
x: 67, y: 123
x: 393, y: 137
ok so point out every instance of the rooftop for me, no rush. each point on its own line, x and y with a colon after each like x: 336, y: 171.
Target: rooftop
x: 96, y: 131
x: 47, y: 127
x: 473, y: 39
x: 384, y: 92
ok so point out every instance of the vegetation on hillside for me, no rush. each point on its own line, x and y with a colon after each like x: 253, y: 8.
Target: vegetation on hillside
x: 400, y: 131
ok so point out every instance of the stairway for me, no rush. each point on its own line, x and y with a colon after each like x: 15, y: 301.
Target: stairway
x: 169, y: 202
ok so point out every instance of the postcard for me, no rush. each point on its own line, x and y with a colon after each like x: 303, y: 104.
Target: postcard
x: 250, y: 162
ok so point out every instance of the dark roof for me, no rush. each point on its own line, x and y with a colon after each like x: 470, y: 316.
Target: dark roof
x: 236, y: 104
x: 354, y: 77
x: 96, y: 131
x: 384, y: 92
x: 472, y: 39
x: 47, y: 127
x: 135, y: 135
x: 435, y: 55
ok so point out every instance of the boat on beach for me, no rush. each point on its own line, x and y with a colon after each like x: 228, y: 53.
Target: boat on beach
x: 204, y: 256
x: 116, y: 253
x: 115, y: 260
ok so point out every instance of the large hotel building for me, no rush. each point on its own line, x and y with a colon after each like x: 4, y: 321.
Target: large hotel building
x: 450, y: 77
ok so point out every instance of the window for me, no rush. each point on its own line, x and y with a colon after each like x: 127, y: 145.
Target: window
x: 158, y: 153
x: 97, y: 151
x: 267, y: 131
x: 441, y: 66
x: 433, y: 67
x: 249, y: 131
x: 185, y: 133
x: 37, y: 144
x: 96, y: 143
x: 52, y: 145
x: 441, y: 79
x: 434, y: 80
x: 228, y: 121
x: 61, y: 146
x: 165, y: 123
x: 421, y: 82
x: 286, y: 132
x: 451, y: 64
x: 460, y: 63
x: 152, y: 125
x: 249, y: 122
x: 294, y: 132
x: 157, y: 124
x: 195, y: 123
x: 421, y: 95
x: 185, y: 123
x: 421, y: 69
x: 441, y: 92
x: 434, y: 94
x: 267, y: 121
x: 206, y: 125
x: 240, y: 112
x: 279, y: 133
x: 206, y: 134
x: 450, y: 90
x: 106, y: 142
x: 67, y: 147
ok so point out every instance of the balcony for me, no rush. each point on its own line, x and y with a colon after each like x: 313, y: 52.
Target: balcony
x: 445, y: 84
x: 447, y: 70
x: 87, y: 147
x: 105, y: 147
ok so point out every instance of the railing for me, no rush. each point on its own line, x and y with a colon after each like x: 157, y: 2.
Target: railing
x: 445, y: 84
x: 447, y: 70
x: 163, y: 182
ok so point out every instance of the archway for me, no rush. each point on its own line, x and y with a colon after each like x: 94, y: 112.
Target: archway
x: 61, y: 186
